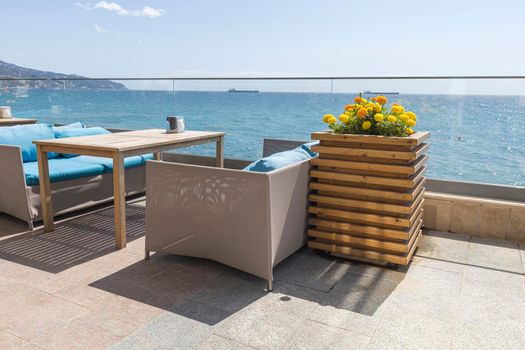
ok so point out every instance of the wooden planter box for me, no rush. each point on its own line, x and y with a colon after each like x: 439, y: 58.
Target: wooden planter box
x: 367, y: 196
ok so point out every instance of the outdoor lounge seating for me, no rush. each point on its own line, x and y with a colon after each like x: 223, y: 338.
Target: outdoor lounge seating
x: 78, y: 181
x: 244, y: 219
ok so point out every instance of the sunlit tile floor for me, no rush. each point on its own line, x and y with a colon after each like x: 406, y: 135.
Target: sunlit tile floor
x: 71, y: 290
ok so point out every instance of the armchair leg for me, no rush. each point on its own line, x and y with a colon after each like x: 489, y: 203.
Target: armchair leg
x: 269, y: 286
x: 146, y: 255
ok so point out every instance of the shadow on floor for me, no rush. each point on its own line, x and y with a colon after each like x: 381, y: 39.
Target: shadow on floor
x: 210, y: 292
x: 73, y: 241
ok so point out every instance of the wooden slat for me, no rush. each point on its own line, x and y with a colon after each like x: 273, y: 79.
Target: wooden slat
x: 412, y: 140
x: 364, y: 230
x: 365, y: 154
x: 367, y: 218
x: 366, y: 205
x: 372, y: 180
x: 361, y: 242
x: 368, y: 254
x: 371, y: 167
x: 403, y: 148
x: 367, y: 193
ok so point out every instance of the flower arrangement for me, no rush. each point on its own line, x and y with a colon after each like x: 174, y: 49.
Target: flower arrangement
x: 373, y: 118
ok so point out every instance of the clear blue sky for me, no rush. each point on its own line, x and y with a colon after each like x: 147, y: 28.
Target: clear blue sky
x: 241, y: 37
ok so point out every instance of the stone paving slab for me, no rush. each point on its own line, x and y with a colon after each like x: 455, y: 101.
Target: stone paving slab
x: 313, y: 335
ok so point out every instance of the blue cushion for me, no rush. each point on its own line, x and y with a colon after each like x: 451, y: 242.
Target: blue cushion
x: 74, y: 132
x: 61, y: 169
x: 75, y: 125
x: 308, y: 148
x: 107, y: 163
x: 24, y: 135
x: 278, y: 160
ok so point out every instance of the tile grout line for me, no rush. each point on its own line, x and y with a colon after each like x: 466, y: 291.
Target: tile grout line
x: 26, y: 339
x: 234, y: 341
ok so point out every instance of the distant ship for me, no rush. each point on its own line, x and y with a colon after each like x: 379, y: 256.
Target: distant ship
x: 235, y: 90
x: 368, y: 92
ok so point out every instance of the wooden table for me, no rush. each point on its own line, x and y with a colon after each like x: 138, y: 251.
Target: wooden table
x: 117, y: 146
x: 16, y: 121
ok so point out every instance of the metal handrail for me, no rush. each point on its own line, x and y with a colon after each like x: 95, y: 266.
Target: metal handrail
x: 422, y: 77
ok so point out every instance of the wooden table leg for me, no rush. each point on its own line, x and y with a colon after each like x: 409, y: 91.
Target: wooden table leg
x: 45, y: 189
x: 119, y: 193
x: 220, y: 152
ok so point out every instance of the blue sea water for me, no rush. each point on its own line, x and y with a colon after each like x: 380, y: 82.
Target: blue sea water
x: 474, y: 138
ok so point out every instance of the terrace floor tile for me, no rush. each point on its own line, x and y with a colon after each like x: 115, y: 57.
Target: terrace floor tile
x: 313, y: 335
x: 495, y: 254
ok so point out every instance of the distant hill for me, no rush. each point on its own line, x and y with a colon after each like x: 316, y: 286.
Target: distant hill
x: 8, y: 70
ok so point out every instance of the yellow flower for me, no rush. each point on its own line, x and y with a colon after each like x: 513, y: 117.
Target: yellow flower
x: 379, y: 117
x: 327, y: 117
x: 349, y: 107
x: 332, y: 120
x: 391, y: 119
x: 411, y: 115
x: 411, y: 122
x: 381, y: 99
x: 362, y: 112
x: 403, y: 117
x: 397, y: 109
x: 344, y: 118
x: 409, y: 131
x: 366, y: 125
x: 377, y: 108
x: 364, y: 101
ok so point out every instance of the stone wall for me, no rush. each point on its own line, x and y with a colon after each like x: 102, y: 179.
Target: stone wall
x: 475, y: 216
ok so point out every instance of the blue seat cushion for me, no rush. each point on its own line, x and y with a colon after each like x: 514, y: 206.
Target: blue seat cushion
x: 278, y: 160
x: 75, y: 132
x: 107, y: 163
x: 24, y: 135
x: 61, y: 169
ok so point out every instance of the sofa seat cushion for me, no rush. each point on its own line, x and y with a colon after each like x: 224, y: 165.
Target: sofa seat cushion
x: 107, y: 163
x: 24, y: 135
x: 61, y: 169
x: 278, y: 160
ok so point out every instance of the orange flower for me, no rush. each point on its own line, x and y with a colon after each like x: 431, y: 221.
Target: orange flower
x: 349, y: 107
x: 362, y: 112
x: 381, y: 99
x: 357, y: 99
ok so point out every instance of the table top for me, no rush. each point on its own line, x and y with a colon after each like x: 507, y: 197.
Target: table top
x: 129, y: 140
x: 14, y: 121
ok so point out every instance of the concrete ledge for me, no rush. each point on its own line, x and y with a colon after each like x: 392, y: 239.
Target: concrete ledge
x: 475, y: 216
